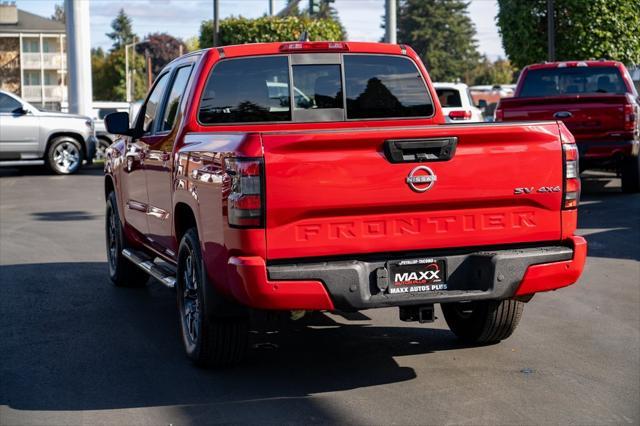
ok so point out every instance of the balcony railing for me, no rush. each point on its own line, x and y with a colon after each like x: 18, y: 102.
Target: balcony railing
x: 49, y: 60
x: 51, y: 93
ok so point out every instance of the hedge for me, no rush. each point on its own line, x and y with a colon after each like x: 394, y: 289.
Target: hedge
x: 239, y: 30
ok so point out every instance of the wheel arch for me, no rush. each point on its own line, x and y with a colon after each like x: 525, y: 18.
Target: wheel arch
x: 76, y: 136
x: 184, y: 218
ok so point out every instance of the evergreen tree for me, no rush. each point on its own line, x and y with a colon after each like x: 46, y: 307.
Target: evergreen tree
x: 442, y: 33
x: 122, y: 31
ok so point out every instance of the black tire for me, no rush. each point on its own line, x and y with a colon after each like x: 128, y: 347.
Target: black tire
x: 210, y: 339
x: 483, y: 322
x: 64, y: 156
x: 122, y: 272
x: 631, y: 174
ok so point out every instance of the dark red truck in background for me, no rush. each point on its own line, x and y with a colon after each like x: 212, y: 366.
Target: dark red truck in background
x: 598, y: 103
x: 320, y: 176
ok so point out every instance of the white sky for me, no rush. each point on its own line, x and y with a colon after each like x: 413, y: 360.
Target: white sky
x: 181, y: 18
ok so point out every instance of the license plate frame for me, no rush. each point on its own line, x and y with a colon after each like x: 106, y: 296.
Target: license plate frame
x: 420, y: 275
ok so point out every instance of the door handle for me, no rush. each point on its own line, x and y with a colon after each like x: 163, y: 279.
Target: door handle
x: 562, y: 114
x: 420, y: 150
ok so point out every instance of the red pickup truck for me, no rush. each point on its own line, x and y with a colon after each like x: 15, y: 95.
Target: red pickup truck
x: 321, y: 176
x: 598, y: 103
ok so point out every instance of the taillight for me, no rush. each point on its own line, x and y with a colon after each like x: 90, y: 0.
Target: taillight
x: 571, y: 176
x: 460, y: 115
x: 245, y: 201
x: 630, y: 117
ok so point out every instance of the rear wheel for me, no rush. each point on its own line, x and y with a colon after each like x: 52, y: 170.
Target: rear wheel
x: 210, y: 339
x: 64, y: 156
x: 631, y: 174
x: 122, y: 272
x: 483, y: 321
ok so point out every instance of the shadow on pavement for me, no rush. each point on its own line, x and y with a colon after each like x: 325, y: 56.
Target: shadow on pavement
x: 92, y: 170
x: 603, y: 218
x: 67, y: 336
x: 64, y: 216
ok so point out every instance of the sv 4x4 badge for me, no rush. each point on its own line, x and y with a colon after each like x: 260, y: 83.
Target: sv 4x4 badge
x: 531, y: 189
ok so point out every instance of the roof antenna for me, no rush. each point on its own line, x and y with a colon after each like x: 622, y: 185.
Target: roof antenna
x: 304, y: 36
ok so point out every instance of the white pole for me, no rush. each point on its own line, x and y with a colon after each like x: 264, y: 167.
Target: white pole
x: 79, y: 56
x: 390, y: 22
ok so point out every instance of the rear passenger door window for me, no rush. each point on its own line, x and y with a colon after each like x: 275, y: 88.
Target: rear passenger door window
x: 247, y: 90
x: 175, y: 96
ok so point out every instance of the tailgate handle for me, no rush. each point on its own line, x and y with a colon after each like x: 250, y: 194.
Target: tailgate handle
x: 420, y: 150
x: 562, y: 114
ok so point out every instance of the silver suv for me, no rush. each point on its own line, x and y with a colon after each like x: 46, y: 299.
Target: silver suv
x: 31, y: 137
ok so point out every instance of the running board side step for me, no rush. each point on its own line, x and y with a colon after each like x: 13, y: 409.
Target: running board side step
x: 144, y: 262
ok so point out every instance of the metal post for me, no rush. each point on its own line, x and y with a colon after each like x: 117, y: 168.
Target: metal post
x: 79, y: 56
x: 127, y: 83
x: 216, y: 21
x: 551, y: 31
x: 271, y: 7
x: 390, y: 22
x: 132, y: 79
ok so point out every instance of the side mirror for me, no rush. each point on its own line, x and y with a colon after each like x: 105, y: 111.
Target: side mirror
x: 482, y: 104
x: 20, y: 111
x: 117, y: 123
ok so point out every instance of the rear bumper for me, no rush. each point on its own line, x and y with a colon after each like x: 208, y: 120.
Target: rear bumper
x: 352, y: 284
x: 599, y: 152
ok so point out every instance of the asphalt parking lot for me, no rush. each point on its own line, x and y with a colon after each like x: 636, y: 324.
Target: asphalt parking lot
x: 76, y: 350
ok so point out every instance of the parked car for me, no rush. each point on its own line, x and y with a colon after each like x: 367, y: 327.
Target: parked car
x: 357, y: 199
x: 456, y: 102
x: 598, y: 103
x: 29, y: 136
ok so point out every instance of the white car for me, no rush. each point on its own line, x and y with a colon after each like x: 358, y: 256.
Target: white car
x: 456, y: 102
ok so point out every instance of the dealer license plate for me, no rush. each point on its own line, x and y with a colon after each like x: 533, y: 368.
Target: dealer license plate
x: 416, y: 275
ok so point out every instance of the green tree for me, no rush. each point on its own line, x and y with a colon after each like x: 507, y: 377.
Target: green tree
x: 498, y: 72
x: 108, y: 71
x: 584, y: 29
x: 122, y: 33
x: 442, y: 33
x: 239, y: 30
x: 192, y: 43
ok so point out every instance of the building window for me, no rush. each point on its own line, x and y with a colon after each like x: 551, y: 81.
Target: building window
x: 51, y: 78
x: 31, y: 45
x: 50, y: 45
x: 31, y: 78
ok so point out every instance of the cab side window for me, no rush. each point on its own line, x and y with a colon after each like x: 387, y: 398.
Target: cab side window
x: 153, y: 104
x: 8, y: 104
x: 173, y: 101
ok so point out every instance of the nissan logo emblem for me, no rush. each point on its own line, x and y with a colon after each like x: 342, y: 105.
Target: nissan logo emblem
x: 421, y: 179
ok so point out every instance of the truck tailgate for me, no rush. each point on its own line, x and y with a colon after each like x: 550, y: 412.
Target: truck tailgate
x: 331, y: 193
x: 588, y: 117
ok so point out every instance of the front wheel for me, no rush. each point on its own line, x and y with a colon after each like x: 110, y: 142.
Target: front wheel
x: 483, y: 322
x: 64, y: 156
x: 631, y: 174
x: 122, y: 272
x: 210, y: 339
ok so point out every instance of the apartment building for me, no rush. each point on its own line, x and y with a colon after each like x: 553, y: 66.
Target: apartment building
x: 33, y: 57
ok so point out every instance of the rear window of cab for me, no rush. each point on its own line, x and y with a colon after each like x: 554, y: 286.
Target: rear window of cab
x: 259, y: 89
x: 572, y: 81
